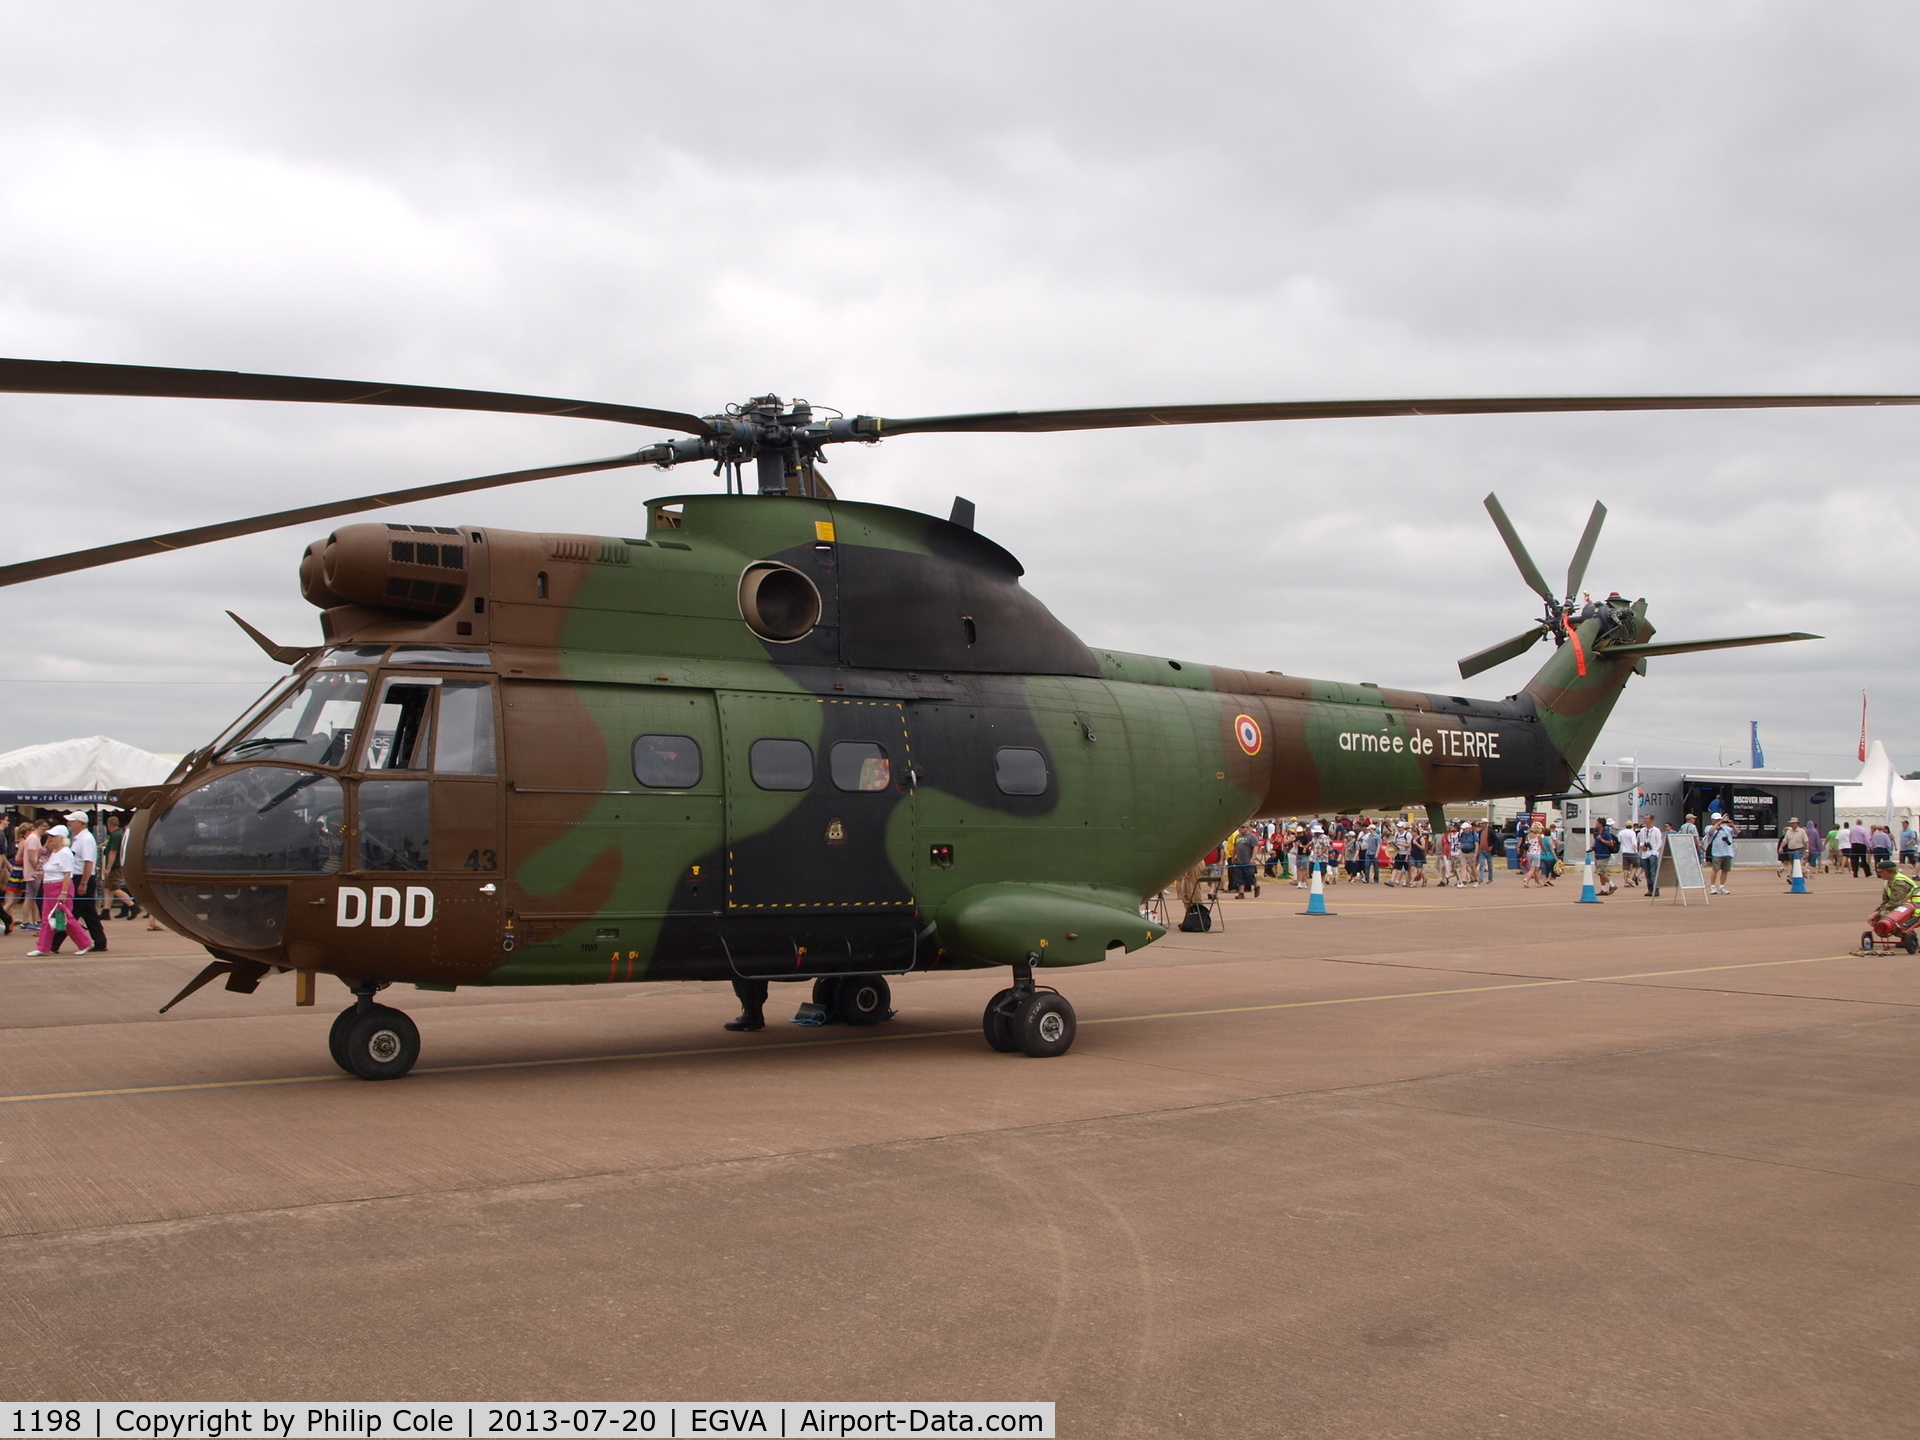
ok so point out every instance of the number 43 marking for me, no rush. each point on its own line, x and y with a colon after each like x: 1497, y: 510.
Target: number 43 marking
x: 483, y: 860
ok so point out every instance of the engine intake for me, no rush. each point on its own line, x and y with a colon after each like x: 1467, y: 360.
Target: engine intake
x: 419, y: 569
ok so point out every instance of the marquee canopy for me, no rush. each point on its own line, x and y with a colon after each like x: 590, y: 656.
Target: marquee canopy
x: 77, y: 772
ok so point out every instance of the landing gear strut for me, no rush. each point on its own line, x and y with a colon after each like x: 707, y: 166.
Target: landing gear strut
x: 375, y: 1042
x: 1025, y: 1018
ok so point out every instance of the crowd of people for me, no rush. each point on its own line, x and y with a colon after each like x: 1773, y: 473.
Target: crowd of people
x: 58, y: 869
x: 1366, y: 850
x: 1404, y: 851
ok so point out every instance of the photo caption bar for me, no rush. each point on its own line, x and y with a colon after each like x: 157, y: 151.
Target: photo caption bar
x: 480, y: 1420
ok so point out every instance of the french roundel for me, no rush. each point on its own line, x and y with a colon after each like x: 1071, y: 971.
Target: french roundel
x: 1247, y: 731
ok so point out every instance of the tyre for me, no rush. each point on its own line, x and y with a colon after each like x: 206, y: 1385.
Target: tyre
x: 823, y: 992
x: 998, y: 1026
x: 337, y: 1037
x: 862, y: 1000
x: 1866, y: 939
x: 1043, y: 1024
x: 1912, y: 942
x: 382, y: 1044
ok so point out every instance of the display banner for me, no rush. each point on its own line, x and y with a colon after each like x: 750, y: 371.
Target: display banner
x: 477, y: 1419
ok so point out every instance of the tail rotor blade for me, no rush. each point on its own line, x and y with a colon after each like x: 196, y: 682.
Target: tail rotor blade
x: 1577, y: 571
x: 1499, y: 654
x: 1529, y: 571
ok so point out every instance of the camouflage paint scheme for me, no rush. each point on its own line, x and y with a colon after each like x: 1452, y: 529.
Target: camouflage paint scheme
x: 564, y: 869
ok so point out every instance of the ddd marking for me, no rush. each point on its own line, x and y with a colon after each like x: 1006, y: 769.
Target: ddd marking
x: 386, y: 906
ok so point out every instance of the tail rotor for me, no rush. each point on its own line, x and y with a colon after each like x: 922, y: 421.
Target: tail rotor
x: 1558, y: 610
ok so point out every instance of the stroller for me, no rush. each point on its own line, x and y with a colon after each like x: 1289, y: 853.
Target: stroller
x: 1898, y: 929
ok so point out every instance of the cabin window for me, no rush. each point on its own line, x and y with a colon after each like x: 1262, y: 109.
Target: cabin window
x: 860, y: 765
x: 402, y: 724
x: 781, y: 764
x: 667, y: 762
x: 313, y: 725
x: 540, y: 586
x: 1019, y: 771
x: 465, y: 746
x: 393, y: 825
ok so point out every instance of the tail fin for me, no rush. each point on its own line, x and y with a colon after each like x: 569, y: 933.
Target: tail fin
x: 1574, y: 706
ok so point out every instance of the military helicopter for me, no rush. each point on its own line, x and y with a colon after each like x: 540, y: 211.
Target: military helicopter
x: 776, y: 736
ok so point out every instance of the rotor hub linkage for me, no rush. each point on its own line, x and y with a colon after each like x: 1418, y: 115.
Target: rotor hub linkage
x: 783, y: 442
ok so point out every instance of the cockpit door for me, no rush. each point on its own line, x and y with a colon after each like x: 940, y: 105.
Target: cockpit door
x: 426, y: 845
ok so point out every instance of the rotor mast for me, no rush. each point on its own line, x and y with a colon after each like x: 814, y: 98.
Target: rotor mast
x: 783, y: 443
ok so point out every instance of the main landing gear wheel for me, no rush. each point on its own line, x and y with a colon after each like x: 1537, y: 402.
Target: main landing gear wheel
x: 997, y: 1022
x: 1043, y: 1024
x: 861, y: 1000
x: 381, y: 1044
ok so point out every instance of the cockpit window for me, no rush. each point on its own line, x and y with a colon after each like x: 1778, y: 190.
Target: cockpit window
x: 264, y: 820
x: 312, y: 725
x: 433, y: 655
x: 401, y: 726
x: 345, y: 655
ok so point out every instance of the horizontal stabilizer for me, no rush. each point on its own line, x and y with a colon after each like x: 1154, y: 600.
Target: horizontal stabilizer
x: 1688, y: 647
x: 1499, y: 654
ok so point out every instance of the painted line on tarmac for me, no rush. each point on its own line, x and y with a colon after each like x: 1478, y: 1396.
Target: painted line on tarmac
x: 751, y: 1049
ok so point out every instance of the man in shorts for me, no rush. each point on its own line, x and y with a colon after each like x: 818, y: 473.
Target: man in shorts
x: 1606, y: 845
x: 1720, y: 837
x: 1629, y: 856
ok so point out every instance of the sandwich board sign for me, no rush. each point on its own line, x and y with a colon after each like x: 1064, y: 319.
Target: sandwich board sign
x: 1685, y: 850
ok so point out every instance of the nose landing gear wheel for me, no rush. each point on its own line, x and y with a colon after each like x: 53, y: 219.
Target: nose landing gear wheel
x: 337, y: 1036
x: 997, y: 1022
x: 382, y: 1044
x: 1043, y: 1024
x: 862, y: 999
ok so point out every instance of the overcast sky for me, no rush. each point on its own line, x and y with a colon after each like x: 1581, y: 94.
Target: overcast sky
x: 918, y: 208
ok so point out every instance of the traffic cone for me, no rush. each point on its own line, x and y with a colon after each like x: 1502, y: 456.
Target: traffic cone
x: 1316, y: 896
x: 1799, y: 885
x: 1587, y: 897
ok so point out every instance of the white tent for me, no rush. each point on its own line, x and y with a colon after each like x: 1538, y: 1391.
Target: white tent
x: 1878, y: 786
x: 77, y: 771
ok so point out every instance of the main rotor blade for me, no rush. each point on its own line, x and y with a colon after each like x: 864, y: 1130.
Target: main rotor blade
x: 67, y: 377
x: 1125, y: 416
x: 1688, y: 647
x: 280, y: 519
x: 1499, y: 654
x: 1577, y: 571
x: 1529, y: 571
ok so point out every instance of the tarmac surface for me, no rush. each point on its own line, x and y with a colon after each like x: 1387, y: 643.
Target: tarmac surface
x: 1450, y: 1163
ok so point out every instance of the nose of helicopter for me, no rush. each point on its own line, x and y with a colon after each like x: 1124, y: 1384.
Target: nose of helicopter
x: 215, y: 859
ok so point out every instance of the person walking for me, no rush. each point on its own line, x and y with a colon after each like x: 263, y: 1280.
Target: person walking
x: 1857, y: 838
x: 1795, y: 845
x: 1466, y: 869
x: 1880, y: 843
x: 1720, y: 854
x: 86, y: 894
x: 33, y: 854
x: 1629, y: 855
x: 1606, y: 845
x: 57, y: 872
x: 1909, y: 843
x: 1653, y: 844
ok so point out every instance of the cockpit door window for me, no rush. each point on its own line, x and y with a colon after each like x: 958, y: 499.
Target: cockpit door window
x: 465, y: 745
x: 398, y: 736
